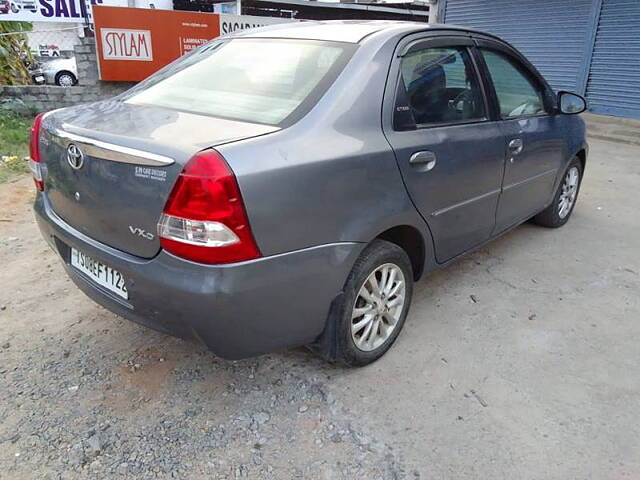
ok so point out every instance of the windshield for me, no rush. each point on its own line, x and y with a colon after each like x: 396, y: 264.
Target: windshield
x: 255, y: 80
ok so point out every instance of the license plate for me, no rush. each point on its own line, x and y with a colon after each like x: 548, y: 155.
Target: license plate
x: 100, y: 273
x: 39, y: 78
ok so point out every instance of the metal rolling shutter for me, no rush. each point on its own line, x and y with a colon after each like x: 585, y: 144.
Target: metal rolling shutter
x: 550, y: 33
x: 613, y: 86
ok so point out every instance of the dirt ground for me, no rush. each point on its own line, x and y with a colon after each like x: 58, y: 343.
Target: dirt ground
x: 521, y: 361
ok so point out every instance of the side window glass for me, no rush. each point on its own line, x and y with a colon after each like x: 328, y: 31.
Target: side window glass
x: 441, y: 86
x: 517, y: 93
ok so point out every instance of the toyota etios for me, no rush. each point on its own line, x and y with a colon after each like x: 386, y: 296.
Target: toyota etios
x: 287, y: 185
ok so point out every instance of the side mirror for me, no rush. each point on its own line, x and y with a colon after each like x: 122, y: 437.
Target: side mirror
x: 571, y: 103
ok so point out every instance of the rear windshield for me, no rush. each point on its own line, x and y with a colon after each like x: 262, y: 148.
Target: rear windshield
x: 266, y: 81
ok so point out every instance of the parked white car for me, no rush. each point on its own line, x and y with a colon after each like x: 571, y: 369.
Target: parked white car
x: 61, y: 71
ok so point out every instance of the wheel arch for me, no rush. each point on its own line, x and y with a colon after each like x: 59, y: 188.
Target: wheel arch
x: 411, y: 240
x: 582, y: 156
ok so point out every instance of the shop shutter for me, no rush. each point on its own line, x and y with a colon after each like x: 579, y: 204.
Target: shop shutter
x: 550, y: 33
x: 613, y: 86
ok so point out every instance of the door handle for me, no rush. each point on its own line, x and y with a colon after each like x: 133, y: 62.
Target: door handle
x: 423, y: 161
x: 515, y: 146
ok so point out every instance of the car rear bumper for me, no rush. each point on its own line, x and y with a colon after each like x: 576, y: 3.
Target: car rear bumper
x: 236, y: 310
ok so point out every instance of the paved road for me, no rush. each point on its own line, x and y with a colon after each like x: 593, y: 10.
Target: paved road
x: 522, y: 361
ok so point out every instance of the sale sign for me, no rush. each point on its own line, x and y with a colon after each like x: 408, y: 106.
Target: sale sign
x: 133, y: 43
x: 51, y: 10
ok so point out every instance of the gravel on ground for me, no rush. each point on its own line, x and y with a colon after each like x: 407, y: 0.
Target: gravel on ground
x: 521, y: 361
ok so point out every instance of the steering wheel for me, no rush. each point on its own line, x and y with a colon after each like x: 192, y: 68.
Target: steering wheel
x: 464, y: 97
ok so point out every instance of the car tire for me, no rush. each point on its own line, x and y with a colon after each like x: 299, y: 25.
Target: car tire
x: 65, y: 79
x: 14, y: 8
x: 362, y: 327
x: 564, y: 201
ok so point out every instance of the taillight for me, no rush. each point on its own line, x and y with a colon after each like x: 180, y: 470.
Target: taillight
x: 34, y: 152
x: 204, y: 219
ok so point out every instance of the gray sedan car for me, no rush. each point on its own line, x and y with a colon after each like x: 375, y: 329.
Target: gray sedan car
x: 286, y: 186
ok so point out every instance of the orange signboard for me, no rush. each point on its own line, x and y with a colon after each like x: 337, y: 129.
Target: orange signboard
x: 133, y: 43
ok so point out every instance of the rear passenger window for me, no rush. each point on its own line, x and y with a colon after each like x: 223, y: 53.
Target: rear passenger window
x: 518, y: 95
x: 441, y: 86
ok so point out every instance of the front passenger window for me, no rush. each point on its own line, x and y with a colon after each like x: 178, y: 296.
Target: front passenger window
x: 517, y: 94
x: 441, y: 86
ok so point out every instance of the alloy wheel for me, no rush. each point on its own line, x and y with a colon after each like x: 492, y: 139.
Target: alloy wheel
x: 378, y: 307
x: 569, y: 192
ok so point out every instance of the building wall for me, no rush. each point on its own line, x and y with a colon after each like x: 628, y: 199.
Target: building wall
x: 613, y: 81
x: 42, y: 98
x: 590, y: 47
x: 553, y: 41
x: 64, y: 35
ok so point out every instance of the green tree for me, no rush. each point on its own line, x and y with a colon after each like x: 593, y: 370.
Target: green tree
x: 14, y: 49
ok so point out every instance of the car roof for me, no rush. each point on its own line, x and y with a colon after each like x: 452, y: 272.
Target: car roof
x: 350, y: 31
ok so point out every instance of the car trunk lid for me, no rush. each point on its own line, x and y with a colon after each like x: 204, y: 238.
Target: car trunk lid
x: 110, y: 166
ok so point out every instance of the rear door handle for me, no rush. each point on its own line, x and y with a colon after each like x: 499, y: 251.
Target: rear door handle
x: 515, y: 146
x: 423, y: 161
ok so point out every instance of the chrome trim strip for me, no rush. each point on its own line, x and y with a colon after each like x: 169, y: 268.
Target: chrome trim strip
x: 465, y: 202
x: 110, y: 151
x: 530, y: 179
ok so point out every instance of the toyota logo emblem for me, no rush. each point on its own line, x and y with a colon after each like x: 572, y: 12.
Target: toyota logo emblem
x: 75, y: 157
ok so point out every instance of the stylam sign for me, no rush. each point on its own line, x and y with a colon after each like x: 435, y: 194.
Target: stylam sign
x: 126, y: 44
x: 133, y: 43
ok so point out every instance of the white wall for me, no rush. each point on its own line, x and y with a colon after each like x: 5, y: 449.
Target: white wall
x: 63, y: 34
x: 158, y: 4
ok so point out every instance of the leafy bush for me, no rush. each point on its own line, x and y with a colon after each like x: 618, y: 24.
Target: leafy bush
x: 14, y: 49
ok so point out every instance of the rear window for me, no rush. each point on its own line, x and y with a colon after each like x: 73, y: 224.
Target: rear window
x: 267, y: 81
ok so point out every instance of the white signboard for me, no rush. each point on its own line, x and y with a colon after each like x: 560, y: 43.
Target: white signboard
x: 226, y: 7
x: 50, y: 10
x: 231, y: 23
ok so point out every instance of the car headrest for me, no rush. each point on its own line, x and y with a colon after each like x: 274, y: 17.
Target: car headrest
x: 428, y: 81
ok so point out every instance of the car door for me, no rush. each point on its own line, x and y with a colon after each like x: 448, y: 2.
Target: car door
x: 450, y: 154
x: 534, y: 147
